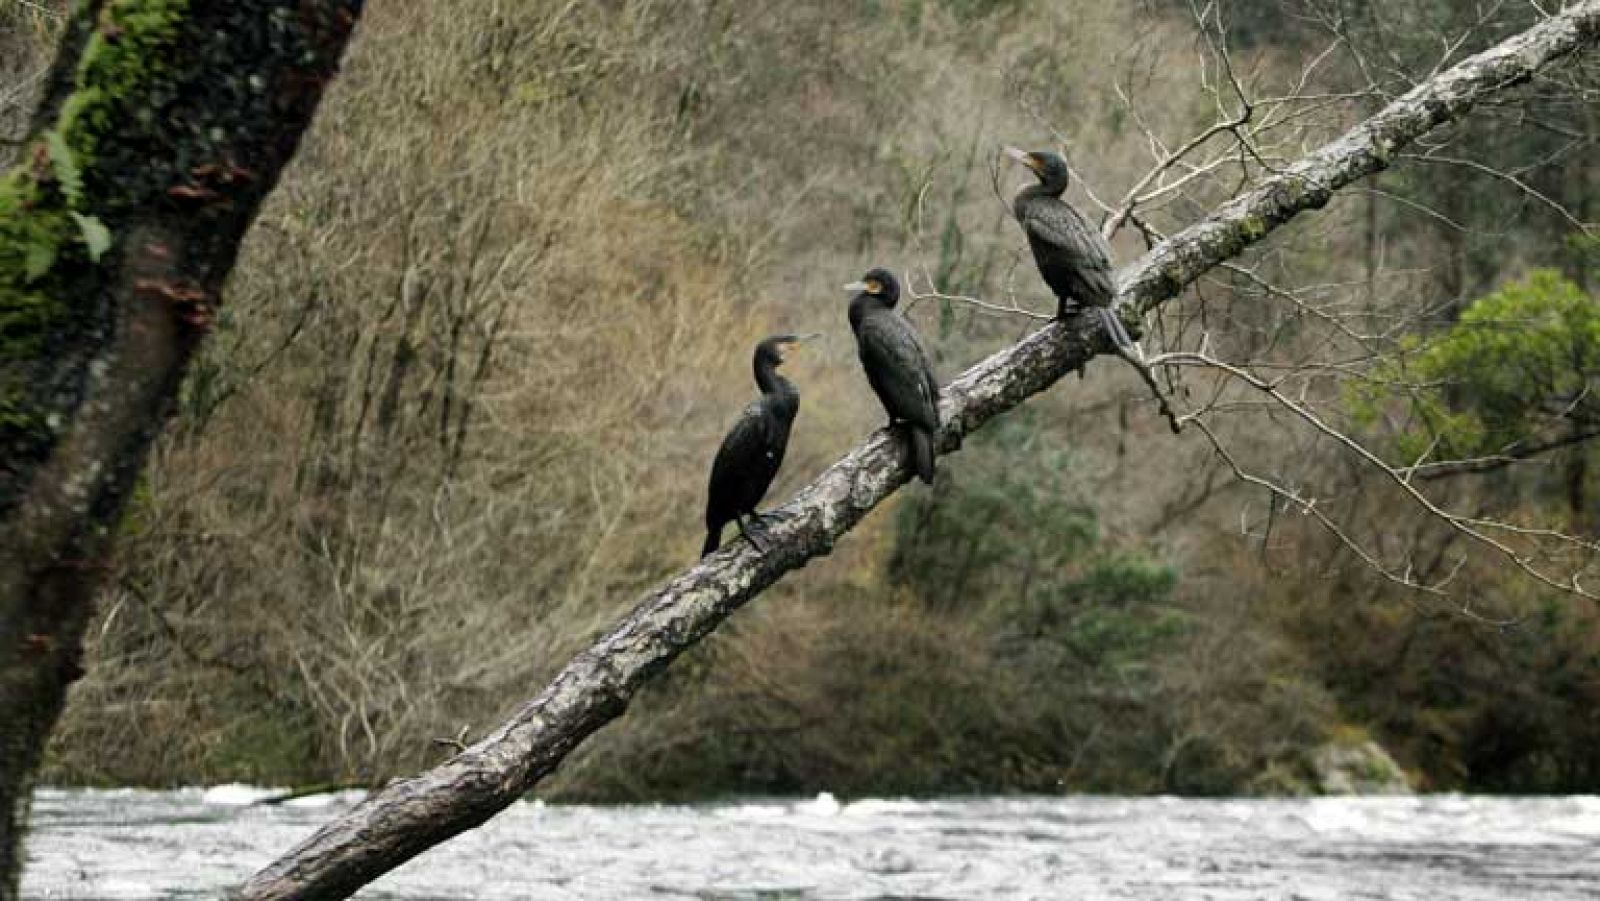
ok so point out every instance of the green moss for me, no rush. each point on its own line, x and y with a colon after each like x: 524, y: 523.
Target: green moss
x: 125, y: 53
x: 50, y: 216
x: 34, y: 231
x: 1173, y: 274
x: 1349, y: 735
x: 1295, y: 190
x: 136, y: 513
x: 1382, y: 149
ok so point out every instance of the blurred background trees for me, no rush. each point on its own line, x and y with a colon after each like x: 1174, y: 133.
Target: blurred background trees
x: 462, y: 398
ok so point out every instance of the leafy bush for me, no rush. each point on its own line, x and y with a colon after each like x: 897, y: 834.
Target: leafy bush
x: 1518, y: 365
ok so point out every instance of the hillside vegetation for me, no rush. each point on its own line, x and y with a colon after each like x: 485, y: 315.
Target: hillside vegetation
x: 459, y: 407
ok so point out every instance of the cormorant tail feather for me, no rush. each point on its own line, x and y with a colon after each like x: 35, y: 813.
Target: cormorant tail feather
x: 922, y: 453
x: 1119, y: 334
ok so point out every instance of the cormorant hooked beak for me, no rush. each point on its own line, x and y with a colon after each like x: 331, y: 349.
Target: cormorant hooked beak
x: 871, y: 286
x: 1022, y: 156
x: 790, y: 342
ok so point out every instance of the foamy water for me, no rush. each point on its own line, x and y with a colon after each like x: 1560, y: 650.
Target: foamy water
x: 198, y: 843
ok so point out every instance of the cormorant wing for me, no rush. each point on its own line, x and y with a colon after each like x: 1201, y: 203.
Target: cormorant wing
x: 928, y: 375
x: 897, y: 366
x: 1072, y: 256
x: 749, y: 457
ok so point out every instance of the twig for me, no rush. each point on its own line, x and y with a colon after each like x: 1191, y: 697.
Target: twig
x: 1469, y: 527
x: 458, y: 744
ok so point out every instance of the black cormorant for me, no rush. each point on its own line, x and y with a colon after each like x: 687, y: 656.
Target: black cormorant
x: 1072, y: 256
x: 753, y: 449
x: 896, y: 363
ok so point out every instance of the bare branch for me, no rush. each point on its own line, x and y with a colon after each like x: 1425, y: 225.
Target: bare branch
x: 1469, y: 527
x: 1308, y: 506
x: 1444, y: 469
x: 1584, y: 227
x: 933, y: 293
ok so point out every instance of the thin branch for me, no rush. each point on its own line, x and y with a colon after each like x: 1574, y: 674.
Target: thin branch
x: 1309, y: 507
x: 1445, y: 469
x: 1132, y: 197
x: 933, y: 293
x: 1468, y: 527
x: 1585, y: 227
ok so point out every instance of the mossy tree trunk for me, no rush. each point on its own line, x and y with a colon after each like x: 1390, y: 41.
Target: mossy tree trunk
x: 409, y: 816
x: 164, y: 123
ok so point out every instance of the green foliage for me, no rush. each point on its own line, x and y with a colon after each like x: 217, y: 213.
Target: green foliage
x: 1006, y: 537
x: 961, y: 268
x: 37, y: 260
x: 1013, y: 505
x: 50, y: 225
x: 1584, y: 249
x: 1504, y: 708
x: 67, y: 173
x: 1007, y: 509
x: 96, y: 237
x: 32, y: 234
x: 112, y: 69
x: 35, y: 233
x: 1518, y: 361
x: 137, y: 512
x: 260, y: 749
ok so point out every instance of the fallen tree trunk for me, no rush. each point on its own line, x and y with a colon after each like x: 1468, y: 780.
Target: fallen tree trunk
x: 411, y: 815
x: 163, y: 126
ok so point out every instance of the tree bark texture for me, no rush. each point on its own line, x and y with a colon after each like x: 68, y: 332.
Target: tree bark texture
x: 164, y: 124
x: 408, y: 816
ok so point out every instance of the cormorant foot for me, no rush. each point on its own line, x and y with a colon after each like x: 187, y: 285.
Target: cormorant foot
x: 753, y: 533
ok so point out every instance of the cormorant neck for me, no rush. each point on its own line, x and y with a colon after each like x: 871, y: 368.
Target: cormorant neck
x: 1054, y: 187
x: 864, y: 303
x: 769, y: 381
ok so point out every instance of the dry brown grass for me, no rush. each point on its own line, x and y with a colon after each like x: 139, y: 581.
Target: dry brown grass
x: 27, y: 30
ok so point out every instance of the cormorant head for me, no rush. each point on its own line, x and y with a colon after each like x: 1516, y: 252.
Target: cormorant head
x: 879, y: 283
x: 770, y: 353
x: 1049, y: 166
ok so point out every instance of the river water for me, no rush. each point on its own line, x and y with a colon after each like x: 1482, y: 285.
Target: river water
x: 195, y: 844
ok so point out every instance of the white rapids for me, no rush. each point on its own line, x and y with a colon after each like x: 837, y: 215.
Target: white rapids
x: 195, y: 843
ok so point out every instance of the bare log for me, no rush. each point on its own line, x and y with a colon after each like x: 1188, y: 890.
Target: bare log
x: 409, y: 816
x: 163, y: 126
